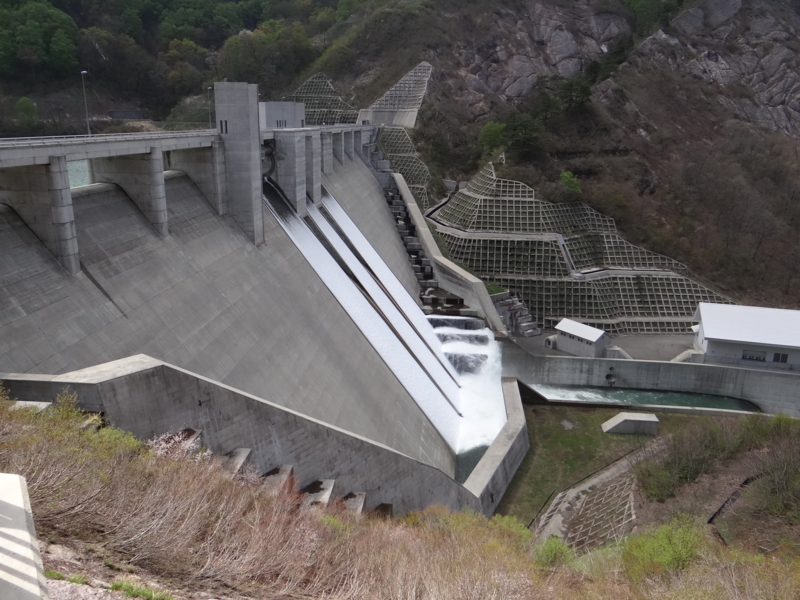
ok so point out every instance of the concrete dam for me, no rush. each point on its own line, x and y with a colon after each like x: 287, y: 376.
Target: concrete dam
x: 250, y: 283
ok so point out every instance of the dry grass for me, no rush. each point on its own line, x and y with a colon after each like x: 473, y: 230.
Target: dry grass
x: 183, y: 517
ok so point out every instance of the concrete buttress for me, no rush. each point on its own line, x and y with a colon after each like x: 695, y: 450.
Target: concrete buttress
x: 40, y: 195
x: 141, y: 177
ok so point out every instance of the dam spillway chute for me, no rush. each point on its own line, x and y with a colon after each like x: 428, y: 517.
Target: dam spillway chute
x: 419, y: 385
x: 386, y: 277
x: 446, y: 381
x: 467, y: 408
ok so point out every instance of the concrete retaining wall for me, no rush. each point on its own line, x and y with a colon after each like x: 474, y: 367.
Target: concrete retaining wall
x: 493, y: 474
x: 148, y: 397
x: 21, y: 571
x: 772, y: 392
x: 450, y: 276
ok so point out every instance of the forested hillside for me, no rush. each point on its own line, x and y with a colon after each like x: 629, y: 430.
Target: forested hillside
x: 150, y: 53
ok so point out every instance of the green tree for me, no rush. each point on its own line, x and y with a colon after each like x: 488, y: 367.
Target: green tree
x: 491, y: 136
x: 522, y: 137
x: 322, y: 20
x: 345, y: 8
x: 571, y: 182
x: 26, y: 112
x: 61, y: 57
x: 132, y: 24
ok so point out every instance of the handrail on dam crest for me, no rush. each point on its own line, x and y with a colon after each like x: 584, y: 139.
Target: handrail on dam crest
x: 102, y: 137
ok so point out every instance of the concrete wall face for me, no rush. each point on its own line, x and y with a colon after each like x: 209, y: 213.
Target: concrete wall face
x: 41, y: 196
x: 141, y: 176
x: 206, y: 168
x: 209, y: 301
x: 361, y: 196
x: 237, y: 117
x: 326, y: 139
x: 772, y: 391
x: 314, y: 166
x: 760, y: 357
x: 290, y: 156
x: 147, y: 397
x: 337, y: 141
x: 450, y: 276
x: 281, y: 115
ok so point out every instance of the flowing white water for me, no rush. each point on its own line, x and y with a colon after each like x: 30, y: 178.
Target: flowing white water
x: 387, y: 278
x: 421, y: 351
x: 414, y: 379
x: 482, y: 402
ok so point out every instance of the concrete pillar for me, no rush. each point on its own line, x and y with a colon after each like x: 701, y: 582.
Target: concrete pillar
x: 237, y: 119
x: 338, y: 147
x: 65, y: 237
x: 348, y: 144
x: 41, y: 196
x: 206, y: 168
x: 358, y: 145
x: 290, y: 171
x: 314, y: 166
x: 141, y: 177
x: 327, y: 152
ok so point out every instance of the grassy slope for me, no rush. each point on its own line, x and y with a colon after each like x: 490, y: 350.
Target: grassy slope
x: 560, y: 457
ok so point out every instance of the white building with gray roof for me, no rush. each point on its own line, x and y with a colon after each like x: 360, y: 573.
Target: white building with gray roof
x: 748, y: 336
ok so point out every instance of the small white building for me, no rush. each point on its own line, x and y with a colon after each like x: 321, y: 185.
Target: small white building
x: 748, y: 336
x: 579, y: 339
x: 282, y: 115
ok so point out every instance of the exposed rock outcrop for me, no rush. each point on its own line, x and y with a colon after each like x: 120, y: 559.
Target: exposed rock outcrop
x: 750, y: 48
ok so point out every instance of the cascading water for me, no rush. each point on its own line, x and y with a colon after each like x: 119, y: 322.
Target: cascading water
x: 454, y: 380
x: 471, y: 348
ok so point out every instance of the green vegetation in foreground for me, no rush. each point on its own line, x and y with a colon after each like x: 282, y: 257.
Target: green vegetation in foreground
x: 186, y: 518
x: 50, y: 574
x: 560, y: 457
x: 133, y: 590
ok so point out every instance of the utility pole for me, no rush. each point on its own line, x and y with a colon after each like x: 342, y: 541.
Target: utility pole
x: 85, y: 105
x: 209, y: 107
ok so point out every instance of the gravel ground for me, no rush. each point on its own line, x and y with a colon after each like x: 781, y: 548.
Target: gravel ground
x: 64, y: 590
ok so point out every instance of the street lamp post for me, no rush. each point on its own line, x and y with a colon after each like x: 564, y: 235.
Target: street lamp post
x: 85, y: 105
x: 209, y: 107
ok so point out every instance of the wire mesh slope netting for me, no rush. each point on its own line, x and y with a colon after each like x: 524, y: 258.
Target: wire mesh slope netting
x: 566, y: 260
x: 409, y: 92
x: 324, y: 105
x: 489, y: 203
x: 398, y: 148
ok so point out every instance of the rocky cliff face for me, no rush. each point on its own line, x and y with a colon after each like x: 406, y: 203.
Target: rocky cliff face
x: 749, y: 48
x: 516, y: 47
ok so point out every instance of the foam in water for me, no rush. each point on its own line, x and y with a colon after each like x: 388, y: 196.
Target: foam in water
x: 407, y: 370
x: 479, y: 365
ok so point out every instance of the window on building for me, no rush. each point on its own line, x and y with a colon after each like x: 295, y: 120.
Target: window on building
x: 754, y: 355
x: 780, y: 358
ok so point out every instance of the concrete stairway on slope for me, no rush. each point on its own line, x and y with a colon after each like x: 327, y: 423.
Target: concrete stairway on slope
x: 515, y: 315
